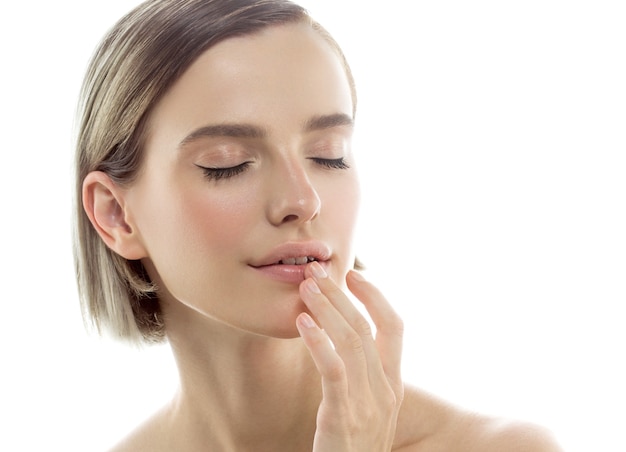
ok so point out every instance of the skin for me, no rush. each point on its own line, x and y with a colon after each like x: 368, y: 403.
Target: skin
x: 257, y: 369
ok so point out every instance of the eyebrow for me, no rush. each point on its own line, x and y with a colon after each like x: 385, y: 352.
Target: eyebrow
x: 237, y: 130
x: 328, y: 122
x: 225, y: 130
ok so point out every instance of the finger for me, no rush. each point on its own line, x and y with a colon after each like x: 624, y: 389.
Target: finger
x: 328, y: 363
x: 340, y: 301
x: 348, y: 329
x: 348, y: 344
x: 389, y: 325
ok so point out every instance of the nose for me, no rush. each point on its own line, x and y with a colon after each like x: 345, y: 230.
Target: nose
x: 293, y: 197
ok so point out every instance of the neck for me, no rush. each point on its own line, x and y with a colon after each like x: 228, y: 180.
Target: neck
x: 241, y: 391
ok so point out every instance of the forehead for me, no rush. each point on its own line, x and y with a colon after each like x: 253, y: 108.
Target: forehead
x: 272, y: 78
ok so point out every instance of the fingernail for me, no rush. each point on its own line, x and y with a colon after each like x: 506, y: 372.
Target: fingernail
x: 306, y: 320
x: 357, y: 276
x: 318, y: 271
x: 312, y: 287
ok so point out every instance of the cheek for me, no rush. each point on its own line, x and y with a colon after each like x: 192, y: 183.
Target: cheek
x: 191, y: 233
x: 216, y: 224
x: 207, y: 254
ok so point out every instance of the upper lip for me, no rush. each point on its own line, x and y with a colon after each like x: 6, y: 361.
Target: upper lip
x: 316, y: 250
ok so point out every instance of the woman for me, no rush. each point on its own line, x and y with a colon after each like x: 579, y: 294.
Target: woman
x: 219, y: 198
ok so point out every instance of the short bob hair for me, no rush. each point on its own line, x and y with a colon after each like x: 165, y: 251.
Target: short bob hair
x: 138, y: 60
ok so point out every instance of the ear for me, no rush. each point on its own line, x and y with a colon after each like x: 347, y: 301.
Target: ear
x: 103, y: 201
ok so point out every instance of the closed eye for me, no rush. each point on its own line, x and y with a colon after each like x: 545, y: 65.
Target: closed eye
x: 339, y: 163
x: 223, y: 173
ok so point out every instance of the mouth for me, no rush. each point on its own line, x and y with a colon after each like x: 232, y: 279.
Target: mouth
x: 287, y: 262
x: 303, y: 260
x: 294, y: 253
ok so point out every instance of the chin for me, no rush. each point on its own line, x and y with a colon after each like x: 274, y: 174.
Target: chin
x: 281, y: 325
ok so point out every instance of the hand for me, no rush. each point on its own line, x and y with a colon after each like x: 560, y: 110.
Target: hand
x: 361, y: 379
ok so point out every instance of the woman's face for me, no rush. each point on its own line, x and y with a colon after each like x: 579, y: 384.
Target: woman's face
x: 248, y: 173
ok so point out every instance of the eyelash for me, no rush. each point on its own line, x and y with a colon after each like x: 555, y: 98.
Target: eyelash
x: 226, y: 173
x: 339, y: 163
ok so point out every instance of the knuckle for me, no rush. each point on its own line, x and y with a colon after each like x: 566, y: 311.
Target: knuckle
x: 363, y: 327
x: 333, y: 290
x: 395, y: 325
x: 335, y: 372
x: 318, y: 340
x: 352, y: 341
x: 391, y: 401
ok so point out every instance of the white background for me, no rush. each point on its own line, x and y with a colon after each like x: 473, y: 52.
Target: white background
x: 491, y: 140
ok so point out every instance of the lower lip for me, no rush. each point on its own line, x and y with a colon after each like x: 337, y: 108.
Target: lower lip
x: 292, y: 274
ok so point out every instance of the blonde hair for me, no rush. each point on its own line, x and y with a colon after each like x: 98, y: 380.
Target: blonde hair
x: 134, y: 65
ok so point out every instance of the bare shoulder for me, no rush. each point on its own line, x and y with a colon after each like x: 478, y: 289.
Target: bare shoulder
x: 427, y: 423
x: 146, y: 437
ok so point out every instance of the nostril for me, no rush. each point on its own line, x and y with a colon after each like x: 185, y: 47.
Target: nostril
x: 293, y: 205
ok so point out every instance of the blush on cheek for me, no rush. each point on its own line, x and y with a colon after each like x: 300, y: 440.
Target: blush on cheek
x: 219, y: 224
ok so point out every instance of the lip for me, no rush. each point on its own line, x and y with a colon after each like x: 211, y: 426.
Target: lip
x: 269, y: 265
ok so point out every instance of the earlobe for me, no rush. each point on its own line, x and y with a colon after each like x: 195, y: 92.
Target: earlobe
x: 103, y: 202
